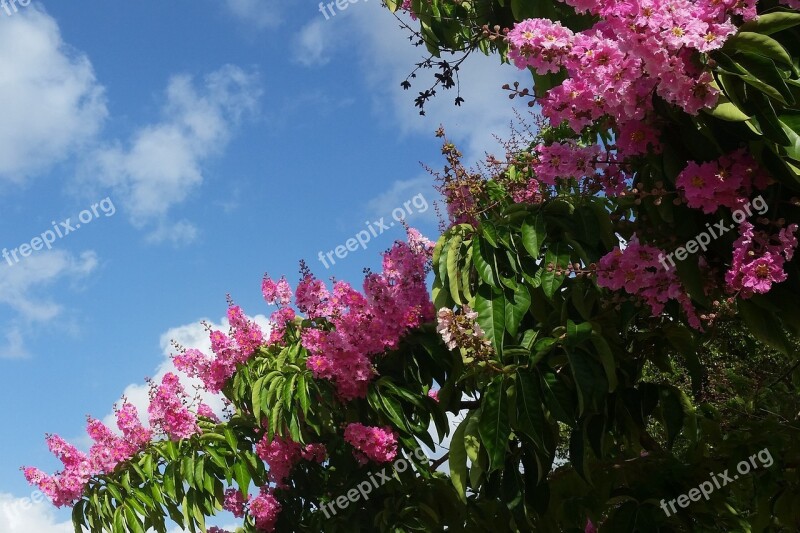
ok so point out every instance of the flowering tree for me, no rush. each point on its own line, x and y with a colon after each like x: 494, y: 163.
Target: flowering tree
x: 596, y: 299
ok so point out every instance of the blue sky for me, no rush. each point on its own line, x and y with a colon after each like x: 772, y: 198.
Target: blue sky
x: 232, y: 138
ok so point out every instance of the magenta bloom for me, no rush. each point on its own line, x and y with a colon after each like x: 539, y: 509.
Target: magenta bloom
x: 168, y: 411
x: 372, y: 443
x: 265, y: 509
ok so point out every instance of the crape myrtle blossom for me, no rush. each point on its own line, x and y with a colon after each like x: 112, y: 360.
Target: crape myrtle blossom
x: 229, y: 350
x: 265, y: 509
x: 371, y: 443
x: 759, y: 258
x: 169, y: 412
x: 366, y: 325
x: 281, y: 454
x: 727, y: 182
x: 636, y: 270
x: 109, y: 450
x: 637, y: 48
x: 235, y: 503
x: 595, y: 168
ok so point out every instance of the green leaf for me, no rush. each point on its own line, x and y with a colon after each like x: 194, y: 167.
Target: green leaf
x: 559, y: 398
x: 516, y: 307
x: 758, y: 44
x: 606, y: 359
x: 302, y: 393
x: 258, y: 389
x: 490, y: 306
x: 726, y: 110
x: 534, y: 233
x: 769, y: 23
x: 493, y: 425
x: 458, y: 461
x: 489, y: 232
x: 481, y: 257
x: 557, y: 256
x: 453, y: 277
x: 530, y: 415
x: 672, y: 413
x: 765, y: 326
x: 764, y: 76
x: 578, y: 333
x: 472, y: 441
x: 577, y: 454
x: 590, y: 383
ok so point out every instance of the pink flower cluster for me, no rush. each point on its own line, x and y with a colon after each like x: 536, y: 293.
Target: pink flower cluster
x: 231, y: 350
x: 541, y: 44
x: 315, y: 452
x: 594, y: 168
x: 235, y: 502
x: 759, y: 258
x: 276, y: 292
x: 528, y: 193
x: 636, y: 269
x: 109, y: 450
x: 264, y: 508
x: 282, y: 454
x: 726, y: 182
x: 365, y: 326
x: 169, y: 412
x: 637, y: 48
x: 371, y: 443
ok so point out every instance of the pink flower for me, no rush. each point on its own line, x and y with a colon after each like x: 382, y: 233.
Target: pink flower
x: 529, y: 194
x: 276, y: 292
x: 281, y: 455
x: 168, y: 411
x: 207, y: 412
x: 727, y: 182
x: 265, y: 509
x: 759, y: 275
x: 315, y: 452
x: 539, y: 43
x: 366, y: 326
x: 235, y: 502
x: 758, y: 260
x: 640, y: 271
x: 371, y: 443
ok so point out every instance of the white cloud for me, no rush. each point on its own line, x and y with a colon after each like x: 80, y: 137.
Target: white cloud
x: 260, y: 13
x: 29, y: 515
x: 313, y: 43
x: 419, y: 192
x: 161, y: 165
x: 19, y: 290
x: 388, y: 58
x: 52, y: 103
